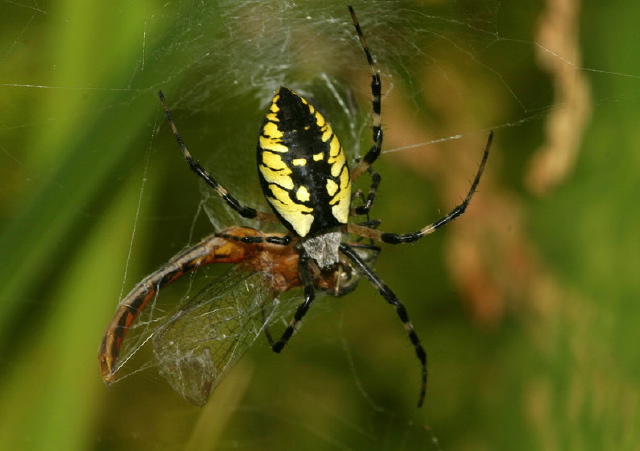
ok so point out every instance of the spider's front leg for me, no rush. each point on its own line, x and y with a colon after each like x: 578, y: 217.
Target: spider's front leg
x: 376, y: 103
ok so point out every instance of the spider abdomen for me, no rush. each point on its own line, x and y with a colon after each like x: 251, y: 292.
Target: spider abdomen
x: 302, y: 166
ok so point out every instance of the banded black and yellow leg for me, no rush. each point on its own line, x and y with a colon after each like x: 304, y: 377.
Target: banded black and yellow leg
x: 309, y: 296
x: 367, y: 202
x: 244, y: 211
x: 281, y: 240
x: 398, y: 238
x: 392, y: 299
x: 376, y: 95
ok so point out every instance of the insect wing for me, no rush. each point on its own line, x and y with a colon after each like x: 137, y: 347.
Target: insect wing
x: 212, y: 331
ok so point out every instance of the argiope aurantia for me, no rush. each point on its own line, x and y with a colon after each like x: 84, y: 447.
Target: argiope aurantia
x: 305, y: 178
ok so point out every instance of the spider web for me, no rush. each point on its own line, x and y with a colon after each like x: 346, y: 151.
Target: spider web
x: 91, y: 183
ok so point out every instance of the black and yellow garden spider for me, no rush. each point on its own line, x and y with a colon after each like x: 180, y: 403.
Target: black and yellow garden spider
x: 305, y: 178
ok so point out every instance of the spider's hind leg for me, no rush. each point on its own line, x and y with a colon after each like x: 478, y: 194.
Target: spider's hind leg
x: 392, y: 299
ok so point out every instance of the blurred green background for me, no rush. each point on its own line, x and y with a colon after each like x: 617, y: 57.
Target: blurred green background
x: 527, y: 305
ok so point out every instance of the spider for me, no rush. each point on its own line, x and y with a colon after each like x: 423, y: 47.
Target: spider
x: 307, y: 182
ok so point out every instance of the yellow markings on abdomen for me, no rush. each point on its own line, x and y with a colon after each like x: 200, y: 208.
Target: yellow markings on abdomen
x: 274, y: 161
x: 331, y: 187
x: 336, y: 158
x: 274, y: 170
x: 271, y: 137
x: 303, y: 194
x: 341, y: 201
x: 341, y: 194
x: 299, y: 216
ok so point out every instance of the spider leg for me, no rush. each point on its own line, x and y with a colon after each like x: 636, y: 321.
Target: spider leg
x: 376, y: 94
x: 271, y: 239
x: 397, y: 238
x: 371, y: 224
x: 244, y: 211
x: 392, y: 299
x: 367, y: 202
x: 309, y: 296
